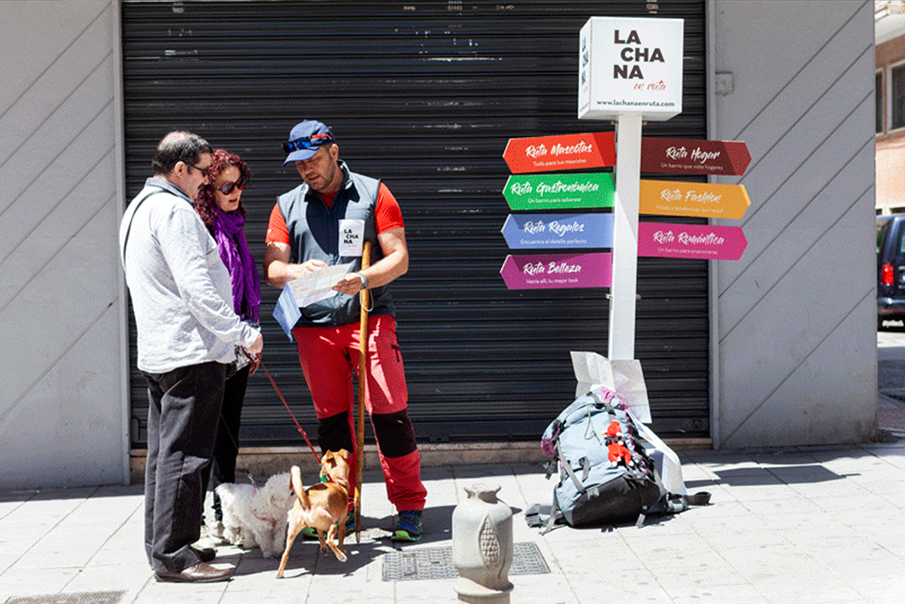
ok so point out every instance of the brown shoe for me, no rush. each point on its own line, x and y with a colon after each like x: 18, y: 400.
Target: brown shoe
x: 200, y: 573
x: 205, y: 554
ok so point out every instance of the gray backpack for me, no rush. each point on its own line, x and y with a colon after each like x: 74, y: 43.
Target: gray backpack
x: 605, y: 474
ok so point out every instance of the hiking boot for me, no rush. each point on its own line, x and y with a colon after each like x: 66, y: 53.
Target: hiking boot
x: 309, y: 532
x: 408, y: 526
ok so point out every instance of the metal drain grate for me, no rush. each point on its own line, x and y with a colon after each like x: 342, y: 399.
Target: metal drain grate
x: 436, y: 563
x: 101, y: 597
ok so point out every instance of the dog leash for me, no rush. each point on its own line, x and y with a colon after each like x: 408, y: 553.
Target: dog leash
x: 285, y: 404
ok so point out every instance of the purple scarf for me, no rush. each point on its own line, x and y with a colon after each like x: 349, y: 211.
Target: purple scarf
x: 242, y: 269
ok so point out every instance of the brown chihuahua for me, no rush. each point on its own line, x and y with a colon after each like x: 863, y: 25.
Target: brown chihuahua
x: 322, y: 506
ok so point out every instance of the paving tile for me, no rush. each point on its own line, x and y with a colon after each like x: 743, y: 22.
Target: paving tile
x: 721, y: 594
x: 125, y: 577
x: 640, y: 587
x: 675, y: 553
x: 835, y: 488
x: 877, y: 589
x: 781, y: 507
x: 771, y: 488
x: 778, y: 458
x: 549, y: 589
x: 436, y: 591
x: 21, y: 582
x: 815, y: 590
x: 181, y: 593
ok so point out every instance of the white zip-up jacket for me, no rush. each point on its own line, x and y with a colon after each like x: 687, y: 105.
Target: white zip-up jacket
x: 181, y: 291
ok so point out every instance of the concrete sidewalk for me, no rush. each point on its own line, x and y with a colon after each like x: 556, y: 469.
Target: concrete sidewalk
x: 806, y: 525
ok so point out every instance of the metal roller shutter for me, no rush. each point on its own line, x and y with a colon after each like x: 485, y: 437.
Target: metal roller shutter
x: 425, y: 96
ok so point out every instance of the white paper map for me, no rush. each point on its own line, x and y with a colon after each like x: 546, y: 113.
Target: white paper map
x: 317, y: 285
x: 306, y: 290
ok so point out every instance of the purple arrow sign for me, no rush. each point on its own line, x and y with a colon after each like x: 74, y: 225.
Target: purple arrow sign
x: 550, y: 271
x: 698, y: 241
x: 560, y: 231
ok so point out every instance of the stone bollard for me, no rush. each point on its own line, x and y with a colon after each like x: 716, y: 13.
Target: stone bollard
x: 482, y: 546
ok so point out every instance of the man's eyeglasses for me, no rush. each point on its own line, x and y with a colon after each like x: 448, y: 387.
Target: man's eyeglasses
x: 228, y: 187
x: 203, y: 171
x: 306, y: 142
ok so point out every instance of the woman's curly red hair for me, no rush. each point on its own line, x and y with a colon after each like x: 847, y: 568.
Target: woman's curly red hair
x: 206, y: 203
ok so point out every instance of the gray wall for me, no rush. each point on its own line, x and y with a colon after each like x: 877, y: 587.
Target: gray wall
x: 62, y: 409
x: 795, y: 320
x: 793, y: 323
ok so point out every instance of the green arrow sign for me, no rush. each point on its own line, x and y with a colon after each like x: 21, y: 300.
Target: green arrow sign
x: 560, y: 191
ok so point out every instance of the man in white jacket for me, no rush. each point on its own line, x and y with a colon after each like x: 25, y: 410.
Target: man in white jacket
x: 187, y: 334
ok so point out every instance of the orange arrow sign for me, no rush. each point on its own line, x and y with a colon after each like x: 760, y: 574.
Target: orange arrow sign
x: 699, y: 199
x: 561, y: 152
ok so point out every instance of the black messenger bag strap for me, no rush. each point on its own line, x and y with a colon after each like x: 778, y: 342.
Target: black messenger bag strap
x: 129, y: 228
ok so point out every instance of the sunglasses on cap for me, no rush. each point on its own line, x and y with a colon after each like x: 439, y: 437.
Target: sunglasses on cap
x: 306, y: 142
x: 228, y: 187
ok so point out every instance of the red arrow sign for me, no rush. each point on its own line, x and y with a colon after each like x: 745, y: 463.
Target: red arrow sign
x: 684, y: 156
x: 562, y: 152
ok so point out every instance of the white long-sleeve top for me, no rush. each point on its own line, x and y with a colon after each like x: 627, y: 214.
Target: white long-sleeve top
x: 181, y: 291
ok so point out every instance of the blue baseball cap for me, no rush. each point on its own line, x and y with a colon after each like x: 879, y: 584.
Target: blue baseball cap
x: 305, y: 139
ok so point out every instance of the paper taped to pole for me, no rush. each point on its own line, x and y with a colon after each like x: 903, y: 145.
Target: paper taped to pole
x: 624, y: 377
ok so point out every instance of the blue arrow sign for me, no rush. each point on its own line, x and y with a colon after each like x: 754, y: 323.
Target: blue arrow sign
x: 560, y: 231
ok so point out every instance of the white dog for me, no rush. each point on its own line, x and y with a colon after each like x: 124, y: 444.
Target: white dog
x: 257, y: 516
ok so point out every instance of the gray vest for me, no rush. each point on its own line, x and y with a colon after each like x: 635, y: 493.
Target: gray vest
x: 314, y: 235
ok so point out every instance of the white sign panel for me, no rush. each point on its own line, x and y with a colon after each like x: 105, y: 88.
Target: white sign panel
x: 630, y: 66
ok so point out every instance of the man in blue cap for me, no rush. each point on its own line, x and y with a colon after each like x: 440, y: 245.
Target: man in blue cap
x: 324, y: 222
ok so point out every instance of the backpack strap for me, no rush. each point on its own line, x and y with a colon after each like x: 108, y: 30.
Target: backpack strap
x: 554, y: 518
x: 568, y: 468
x: 586, y: 468
x: 663, y: 495
x: 129, y: 228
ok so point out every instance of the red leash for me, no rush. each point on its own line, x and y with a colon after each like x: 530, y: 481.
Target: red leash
x: 297, y: 425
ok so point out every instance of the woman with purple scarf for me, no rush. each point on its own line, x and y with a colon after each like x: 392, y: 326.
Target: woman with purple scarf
x: 219, y: 203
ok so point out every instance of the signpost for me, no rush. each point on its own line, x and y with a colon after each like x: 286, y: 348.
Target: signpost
x: 630, y: 70
x: 684, y: 156
x: 559, y: 231
x: 699, y: 199
x: 559, y: 191
x: 549, y: 271
x: 562, y: 152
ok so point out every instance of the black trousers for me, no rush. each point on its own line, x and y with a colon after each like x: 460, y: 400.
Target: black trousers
x: 184, y: 405
x: 226, y: 447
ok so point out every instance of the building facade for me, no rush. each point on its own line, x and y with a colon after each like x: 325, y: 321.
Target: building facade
x: 762, y: 360
x: 890, y: 106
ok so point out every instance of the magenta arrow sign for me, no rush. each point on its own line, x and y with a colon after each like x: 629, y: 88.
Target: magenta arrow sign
x: 698, y: 241
x: 551, y: 271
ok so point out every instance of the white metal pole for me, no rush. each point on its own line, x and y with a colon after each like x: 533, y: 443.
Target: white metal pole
x: 625, y: 237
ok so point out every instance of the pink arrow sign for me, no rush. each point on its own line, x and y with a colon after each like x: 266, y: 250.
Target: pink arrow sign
x: 549, y: 271
x: 561, y: 152
x: 698, y: 241
x: 685, y: 156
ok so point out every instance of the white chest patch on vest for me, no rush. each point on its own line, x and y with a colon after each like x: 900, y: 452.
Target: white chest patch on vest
x: 351, y: 237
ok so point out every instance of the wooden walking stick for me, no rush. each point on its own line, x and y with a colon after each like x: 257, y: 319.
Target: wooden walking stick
x: 362, y: 390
